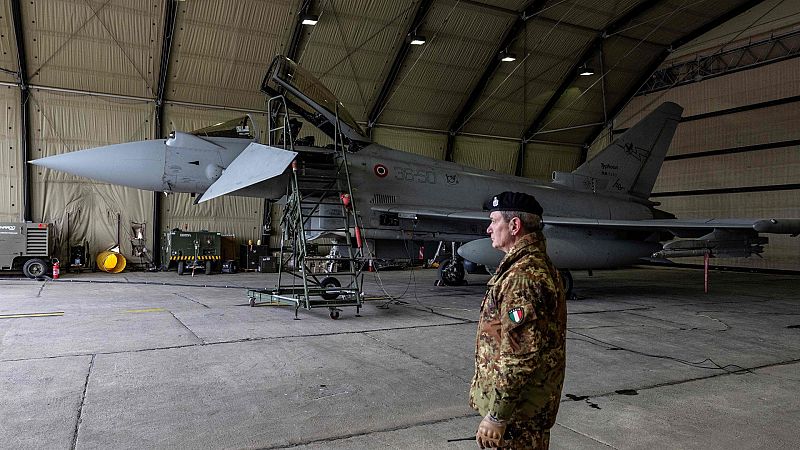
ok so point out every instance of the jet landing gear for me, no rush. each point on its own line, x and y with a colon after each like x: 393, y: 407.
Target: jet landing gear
x: 451, y: 272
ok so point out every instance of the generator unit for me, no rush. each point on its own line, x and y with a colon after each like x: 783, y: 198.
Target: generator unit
x: 25, y: 246
x: 187, y: 251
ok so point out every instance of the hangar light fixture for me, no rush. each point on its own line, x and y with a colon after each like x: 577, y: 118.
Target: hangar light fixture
x: 416, y: 39
x: 585, y: 70
x: 507, y: 56
x: 309, y: 19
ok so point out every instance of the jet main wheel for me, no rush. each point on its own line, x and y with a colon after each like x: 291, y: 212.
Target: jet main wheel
x: 451, y: 273
x: 181, y: 268
x: 330, y: 282
x: 34, y: 268
x: 208, y: 267
x: 566, y: 279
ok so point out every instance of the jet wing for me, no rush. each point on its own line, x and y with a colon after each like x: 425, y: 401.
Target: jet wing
x: 413, y: 211
x: 255, y: 164
x: 681, y: 227
x: 677, y: 227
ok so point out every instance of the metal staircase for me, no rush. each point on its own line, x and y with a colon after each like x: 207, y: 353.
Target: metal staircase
x: 318, y: 204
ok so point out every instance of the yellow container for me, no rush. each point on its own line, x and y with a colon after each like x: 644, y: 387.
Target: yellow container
x: 111, y: 262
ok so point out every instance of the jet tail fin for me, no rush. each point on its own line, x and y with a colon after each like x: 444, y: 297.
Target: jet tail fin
x: 632, y: 162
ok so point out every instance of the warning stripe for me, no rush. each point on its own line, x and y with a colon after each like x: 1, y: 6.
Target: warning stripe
x: 190, y: 258
x: 148, y: 310
x: 22, y: 316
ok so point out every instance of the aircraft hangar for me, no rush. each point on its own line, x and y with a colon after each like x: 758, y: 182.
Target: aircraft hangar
x: 527, y: 88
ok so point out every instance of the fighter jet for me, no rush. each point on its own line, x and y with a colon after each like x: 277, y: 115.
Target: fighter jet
x: 597, y: 216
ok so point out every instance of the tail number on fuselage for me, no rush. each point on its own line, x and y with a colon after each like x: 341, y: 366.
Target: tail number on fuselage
x: 415, y: 175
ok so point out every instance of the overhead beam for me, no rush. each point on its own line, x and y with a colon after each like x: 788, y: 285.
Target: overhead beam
x: 423, y: 6
x: 694, y: 34
x: 595, y: 46
x: 22, y: 79
x: 170, y: 15
x: 293, y: 48
x: 509, y: 36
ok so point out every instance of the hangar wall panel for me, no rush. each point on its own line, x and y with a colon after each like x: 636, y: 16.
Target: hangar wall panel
x: 11, y: 189
x: 760, y: 126
x: 542, y: 159
x: 8, y: 55
x: 237, y: 216
x: 111, y: 47
x: 483, y: 153
x: 764, y: 167
x: 221, y: 50
x: 771, y: 82
x: 78, y: 207
x: 422, y: 143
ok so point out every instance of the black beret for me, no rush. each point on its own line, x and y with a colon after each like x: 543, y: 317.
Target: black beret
x: 513, y: 201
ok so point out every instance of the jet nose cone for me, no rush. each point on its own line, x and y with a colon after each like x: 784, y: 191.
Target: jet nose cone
x: 134, y: 164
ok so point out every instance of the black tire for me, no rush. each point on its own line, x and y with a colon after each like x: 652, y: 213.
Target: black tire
x: 451, y: 273
x: 35, y: 268
x: 334, y: 314
x: 208, y: 267
x: 566, y: 279
x: 252, y: 302
x: 181, y: 268
x: 329, y: 282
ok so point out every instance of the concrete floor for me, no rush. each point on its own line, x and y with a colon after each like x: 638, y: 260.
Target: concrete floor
x: 151, y: 360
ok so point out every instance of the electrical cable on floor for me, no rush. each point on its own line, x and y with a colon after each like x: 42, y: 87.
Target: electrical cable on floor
x: 738, y: 370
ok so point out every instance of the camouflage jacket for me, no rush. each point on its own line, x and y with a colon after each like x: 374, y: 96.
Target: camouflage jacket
x: 520, y: 348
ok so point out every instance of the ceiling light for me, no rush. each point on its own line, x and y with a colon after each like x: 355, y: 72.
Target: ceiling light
x: 309, y: 19
x: 507, y: 57
x: 415, y: 39
x: 585, y: 70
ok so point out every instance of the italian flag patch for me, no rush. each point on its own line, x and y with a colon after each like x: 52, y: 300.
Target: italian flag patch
x: 516, y: 315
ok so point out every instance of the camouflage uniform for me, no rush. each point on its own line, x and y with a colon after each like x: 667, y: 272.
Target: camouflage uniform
x: 520, y: 348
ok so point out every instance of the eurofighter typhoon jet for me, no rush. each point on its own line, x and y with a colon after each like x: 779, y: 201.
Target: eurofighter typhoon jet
x: 597, y: 216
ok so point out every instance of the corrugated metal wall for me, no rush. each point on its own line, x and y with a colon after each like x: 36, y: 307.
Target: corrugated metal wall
x: 484, y: 153
x: 422, y: 143
x: 10, y: 158
x: 542, y: 159
x: 755, y: 165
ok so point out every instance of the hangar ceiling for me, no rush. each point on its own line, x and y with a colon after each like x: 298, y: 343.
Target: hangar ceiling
x: 211, y: 53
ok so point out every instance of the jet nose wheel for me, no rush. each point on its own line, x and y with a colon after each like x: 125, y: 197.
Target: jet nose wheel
x: 451, y: 273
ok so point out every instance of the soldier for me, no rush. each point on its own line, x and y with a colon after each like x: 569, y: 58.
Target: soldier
x: 519, y: 354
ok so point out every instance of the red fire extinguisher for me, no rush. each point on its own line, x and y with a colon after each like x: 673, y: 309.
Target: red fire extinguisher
x: 56, y: 270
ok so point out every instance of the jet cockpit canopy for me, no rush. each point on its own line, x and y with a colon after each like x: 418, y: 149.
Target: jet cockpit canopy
x: 240, y: 127
x: 307, y: 96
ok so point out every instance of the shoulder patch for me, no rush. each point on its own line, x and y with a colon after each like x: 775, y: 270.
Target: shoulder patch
x: 516, y: 315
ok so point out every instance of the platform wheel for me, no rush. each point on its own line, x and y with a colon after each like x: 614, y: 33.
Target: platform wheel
x: 181, y: 268
x: 334, y: 314
x: 252, y: 302
x: 208, y: 267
